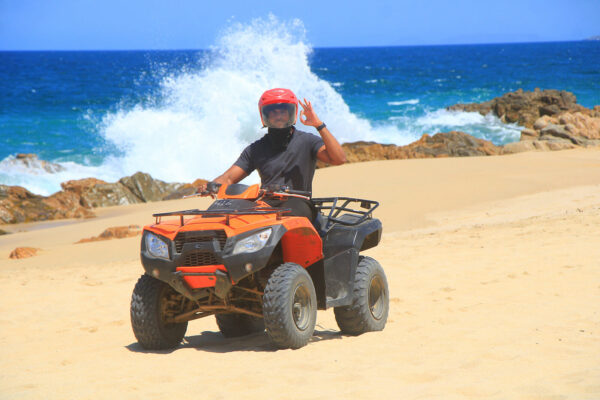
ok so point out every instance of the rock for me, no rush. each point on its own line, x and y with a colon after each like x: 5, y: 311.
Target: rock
x: 31, y: 161
x: 23, y: 252
x: 17, y: 205
x: 144, y: 187
x: 536, y: 145
x: 529, y: 134
x: 556, y: 131
x: 448, y: 144
x: 541, y: 123
x: 67, y: 205
x: 116, y: 232
x: 525, y: 108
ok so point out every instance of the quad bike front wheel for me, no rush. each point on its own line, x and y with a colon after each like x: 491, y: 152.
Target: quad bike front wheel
x: 370, y: 304
x: 152, y: 302
x: 290, y: 306
x: 235, y: 325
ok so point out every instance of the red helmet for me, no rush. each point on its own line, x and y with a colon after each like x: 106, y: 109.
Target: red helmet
x: 278, y: 99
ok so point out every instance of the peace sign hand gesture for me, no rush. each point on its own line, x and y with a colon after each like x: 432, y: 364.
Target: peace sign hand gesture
x: 310, y: 117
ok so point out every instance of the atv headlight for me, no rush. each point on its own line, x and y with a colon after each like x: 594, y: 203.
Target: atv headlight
x: 252, y: 243
x: 156, y: 246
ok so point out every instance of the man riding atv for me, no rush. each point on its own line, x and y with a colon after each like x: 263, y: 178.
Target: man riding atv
x: 264, y: 258
x: 286, y: 155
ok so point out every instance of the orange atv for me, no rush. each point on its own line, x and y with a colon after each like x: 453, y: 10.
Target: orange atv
x: 255, y: 268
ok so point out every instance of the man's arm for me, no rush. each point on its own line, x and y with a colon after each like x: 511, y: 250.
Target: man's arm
x: 331, y: 152
x: 233, y: 175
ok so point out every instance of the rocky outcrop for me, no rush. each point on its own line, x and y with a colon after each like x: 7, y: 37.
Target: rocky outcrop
x: 147, y: 189
x: 78, y: 197
x: 115, y: 232
x: 31, y: 161
x: 17, y: 205
x: 447, y: 144
x: 525, y: 108
x: 23, y: 252
x: 552, y: 119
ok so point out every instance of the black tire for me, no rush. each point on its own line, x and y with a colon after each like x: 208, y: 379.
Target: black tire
x: 290, y: 306
x: 370, y: 304
x: 148, y: 305
x: 236, y: 325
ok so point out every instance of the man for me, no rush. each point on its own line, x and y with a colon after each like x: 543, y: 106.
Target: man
x: 285, y: 155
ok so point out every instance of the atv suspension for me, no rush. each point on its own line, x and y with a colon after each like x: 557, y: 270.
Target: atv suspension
x: 248, y: 302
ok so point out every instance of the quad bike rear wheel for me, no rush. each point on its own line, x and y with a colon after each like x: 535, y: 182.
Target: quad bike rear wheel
x: 235, y: 325
x: 290, y: 306
x: 370, y: 305
x: 152, y: 302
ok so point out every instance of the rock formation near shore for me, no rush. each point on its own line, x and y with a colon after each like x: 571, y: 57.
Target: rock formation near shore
x: 78, y: 197
x: 524, y: 108
x: 18, y: 204
x: 447, y: 144
x: 552, y: 119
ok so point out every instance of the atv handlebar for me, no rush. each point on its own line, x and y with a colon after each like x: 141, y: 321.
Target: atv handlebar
x: 212, y: 188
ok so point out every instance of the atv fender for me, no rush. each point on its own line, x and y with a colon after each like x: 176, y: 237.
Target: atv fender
x: 343, y: 243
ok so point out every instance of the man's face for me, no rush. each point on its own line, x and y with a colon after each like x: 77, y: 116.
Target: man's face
x: 279, y: 117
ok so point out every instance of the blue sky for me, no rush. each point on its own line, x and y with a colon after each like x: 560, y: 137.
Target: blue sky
x: 194, y: 24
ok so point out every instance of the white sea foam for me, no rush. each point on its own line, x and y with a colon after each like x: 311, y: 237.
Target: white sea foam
x: 403, y: 102
x: 205, y: 118
x: 487, y: 126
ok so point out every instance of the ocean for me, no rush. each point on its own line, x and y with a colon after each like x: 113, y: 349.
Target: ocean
x: 186, y: 114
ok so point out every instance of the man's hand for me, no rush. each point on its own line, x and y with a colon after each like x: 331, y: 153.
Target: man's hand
x: 202, y: 190
x: 310, y: 117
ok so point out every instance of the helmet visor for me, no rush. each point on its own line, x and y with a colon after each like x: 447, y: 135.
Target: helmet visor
x: 279, y: 115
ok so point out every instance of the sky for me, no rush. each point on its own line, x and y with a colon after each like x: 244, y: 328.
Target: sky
x: 195, y: 24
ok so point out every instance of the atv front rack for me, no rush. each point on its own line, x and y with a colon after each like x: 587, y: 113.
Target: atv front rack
x: 336, y: 205
x: 223, y: 213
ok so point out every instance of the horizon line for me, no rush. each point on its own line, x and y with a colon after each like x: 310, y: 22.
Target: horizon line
x: 592, y: 39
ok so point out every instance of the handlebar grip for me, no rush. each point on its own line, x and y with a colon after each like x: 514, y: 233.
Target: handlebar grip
x: 212, y: 187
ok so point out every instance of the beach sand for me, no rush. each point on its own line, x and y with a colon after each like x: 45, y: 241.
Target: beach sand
x: 493, y: 266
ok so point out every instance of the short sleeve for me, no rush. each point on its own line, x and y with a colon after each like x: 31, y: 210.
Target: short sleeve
x: 245, y: 160
x: 315, y: 144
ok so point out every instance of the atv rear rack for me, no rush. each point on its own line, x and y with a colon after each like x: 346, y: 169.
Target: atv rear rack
x: 323, y: 204
x: 219, y: 213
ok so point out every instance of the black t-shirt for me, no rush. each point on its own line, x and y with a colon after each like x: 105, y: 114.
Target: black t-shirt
x: 293, y: 166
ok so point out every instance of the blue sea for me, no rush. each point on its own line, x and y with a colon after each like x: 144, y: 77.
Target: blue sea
x: 187, y: 114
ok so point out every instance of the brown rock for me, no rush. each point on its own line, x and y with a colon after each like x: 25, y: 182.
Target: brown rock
x: 98, y: 193
x: 23, y: 252
x: 32, y: 161
x: 536, y: 145
x: 144, y: 187
x: 449, y: 144
x: 525, y: 108
x: 67, y: 205
x: 115, y: 232
x: 529, y: 134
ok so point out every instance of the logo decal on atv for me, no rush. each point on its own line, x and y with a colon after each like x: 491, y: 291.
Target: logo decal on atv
x: 222, y: 203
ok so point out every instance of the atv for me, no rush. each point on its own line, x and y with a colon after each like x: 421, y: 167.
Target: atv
x: 256, y: 268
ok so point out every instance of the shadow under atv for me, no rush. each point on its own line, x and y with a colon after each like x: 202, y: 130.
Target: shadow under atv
x: 214, y: 342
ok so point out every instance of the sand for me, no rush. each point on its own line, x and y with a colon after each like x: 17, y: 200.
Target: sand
x: 493, y: 266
